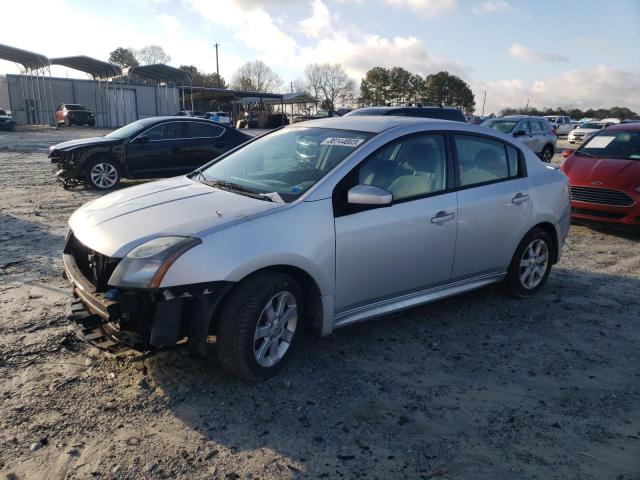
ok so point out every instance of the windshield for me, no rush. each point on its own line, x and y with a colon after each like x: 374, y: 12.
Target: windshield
x: 74, y: 107
x: 283, y: 164
x: 127, y: 131
x: 2, y: 112
x: 551, y: 119
x: 596, y: 126
x: 613, y: 144
x: 504, y: 126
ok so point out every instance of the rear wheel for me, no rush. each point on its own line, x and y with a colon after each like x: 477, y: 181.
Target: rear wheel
x: 531, y: 264
x: 547, y: 153
x: 103, y: 174
x: 259, y: 325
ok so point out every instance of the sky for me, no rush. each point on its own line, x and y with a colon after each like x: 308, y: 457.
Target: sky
x: 570, y: 53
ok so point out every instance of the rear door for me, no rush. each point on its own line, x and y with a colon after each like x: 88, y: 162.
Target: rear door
x: 159, y: 156
x: 203, y: 142
x: 494, y: 207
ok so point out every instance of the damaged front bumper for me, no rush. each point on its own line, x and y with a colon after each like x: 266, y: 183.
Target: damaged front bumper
x: 142, y: 319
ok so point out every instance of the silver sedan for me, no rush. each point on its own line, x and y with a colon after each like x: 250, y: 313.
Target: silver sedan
x: 325, y: 224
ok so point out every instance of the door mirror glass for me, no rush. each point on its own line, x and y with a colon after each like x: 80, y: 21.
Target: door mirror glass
x: 368, y: 195
x: 519, y: 133
x: 141, y: 139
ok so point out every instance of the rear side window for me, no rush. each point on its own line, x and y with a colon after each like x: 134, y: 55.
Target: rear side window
x: 203, y: 130
x: 482, y: 160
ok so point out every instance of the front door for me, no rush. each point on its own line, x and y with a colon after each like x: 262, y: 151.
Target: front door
x: 494, y: 206
x: 159, y: 156
x: 388, y: 251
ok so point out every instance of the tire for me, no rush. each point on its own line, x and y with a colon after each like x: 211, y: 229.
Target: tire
x: 547, y: 153
x: 67, y: 122
x: 518, y: 282
x: 91, y: 123
x: 102, y: 174
x: 241, y: 348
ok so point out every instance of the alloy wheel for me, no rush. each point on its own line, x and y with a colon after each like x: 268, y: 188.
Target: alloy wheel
x: 275, y: 329
x: 104, y: 175
x: 534, y: 263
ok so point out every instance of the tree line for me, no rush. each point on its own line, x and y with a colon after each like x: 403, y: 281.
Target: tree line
x: 397, y: 86
x: 623, y: 113
x: 327, y: 82
x: 333, y: 87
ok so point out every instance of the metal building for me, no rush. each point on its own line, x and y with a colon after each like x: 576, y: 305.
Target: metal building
x: 116, y: 97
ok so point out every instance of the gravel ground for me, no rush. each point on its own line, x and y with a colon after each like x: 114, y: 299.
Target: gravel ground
x: 481, y: 386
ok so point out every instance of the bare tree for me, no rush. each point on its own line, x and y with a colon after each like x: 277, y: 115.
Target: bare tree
x: 330, y: 84
x: 256, y: 76
x: 152, y: 54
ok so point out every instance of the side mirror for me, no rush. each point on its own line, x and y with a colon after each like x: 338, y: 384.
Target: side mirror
x: 519, y: 133
x: 142, y: 139
x: 368, y: 195
x: 567, y: 152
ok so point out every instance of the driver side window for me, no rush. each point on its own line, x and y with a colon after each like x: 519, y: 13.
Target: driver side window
x: 165, y: 131
x: 409, y: 167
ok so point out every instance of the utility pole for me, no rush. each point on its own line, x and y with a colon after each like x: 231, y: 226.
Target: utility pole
x: 484, y: 101
x: 526, y: 109
x: 217, y: 68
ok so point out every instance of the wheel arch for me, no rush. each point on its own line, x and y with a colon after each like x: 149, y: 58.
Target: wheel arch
x: 312, y: 293
x: 106, y: 155
x: 551, y: 230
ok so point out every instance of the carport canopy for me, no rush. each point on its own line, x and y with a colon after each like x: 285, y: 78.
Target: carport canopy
x: 29, y: 60
x: 95, y: 68
x: 158, y: 72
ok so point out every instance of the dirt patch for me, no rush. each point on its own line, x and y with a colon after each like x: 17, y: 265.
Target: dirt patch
x: 474, y: 387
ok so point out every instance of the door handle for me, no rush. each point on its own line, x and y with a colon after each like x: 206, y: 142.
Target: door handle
x: 520, y: 198
x: 442, y: 217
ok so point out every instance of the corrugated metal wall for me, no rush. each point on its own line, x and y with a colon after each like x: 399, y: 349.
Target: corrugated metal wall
x: 115, y: 104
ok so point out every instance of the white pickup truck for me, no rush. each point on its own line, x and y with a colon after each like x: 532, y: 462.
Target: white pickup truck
x: 561, y: 123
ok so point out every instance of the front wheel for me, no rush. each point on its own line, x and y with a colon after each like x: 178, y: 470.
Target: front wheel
x: 103, y: 174
x: 531, y: 264
x: 547, y: 153
x: 259, y: 325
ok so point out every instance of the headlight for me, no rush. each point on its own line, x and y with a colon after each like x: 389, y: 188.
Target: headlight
x: 146, y: 265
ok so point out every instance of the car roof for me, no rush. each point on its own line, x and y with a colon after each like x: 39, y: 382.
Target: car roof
x: 369, y: 123
x: 625, y: 126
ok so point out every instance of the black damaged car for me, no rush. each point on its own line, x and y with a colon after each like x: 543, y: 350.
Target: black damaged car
x: 149, y: 148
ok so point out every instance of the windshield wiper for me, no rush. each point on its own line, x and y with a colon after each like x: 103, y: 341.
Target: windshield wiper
x: 234, y: 187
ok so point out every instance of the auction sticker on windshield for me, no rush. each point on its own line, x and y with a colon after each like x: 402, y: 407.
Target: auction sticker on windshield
x: 600, y: 142
x: 345, y: 142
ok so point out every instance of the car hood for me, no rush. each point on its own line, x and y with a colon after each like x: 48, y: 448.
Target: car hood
x: 612, y: 172
x: 84, y: 142
x: 118, y: 222
x: 585, y: 130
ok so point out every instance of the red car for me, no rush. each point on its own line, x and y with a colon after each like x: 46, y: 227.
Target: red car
x: 604, y: 175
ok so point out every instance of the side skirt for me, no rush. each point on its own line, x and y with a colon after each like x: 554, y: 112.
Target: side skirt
x: 385, y: 307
